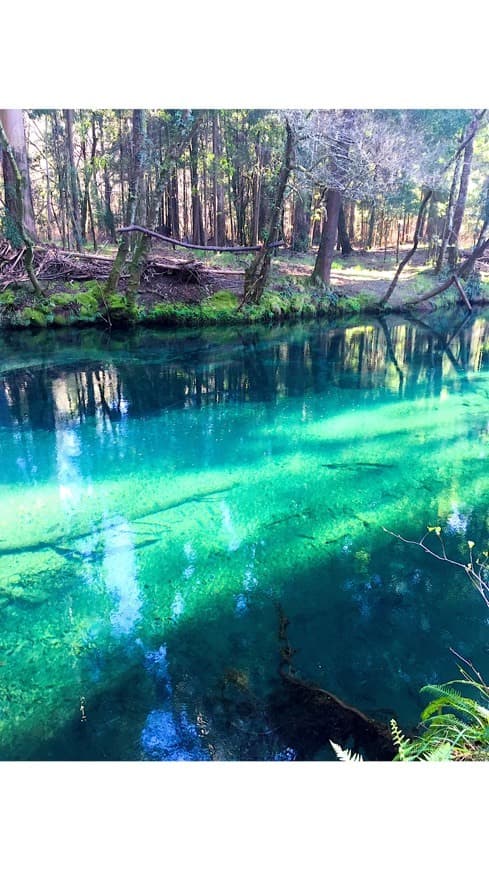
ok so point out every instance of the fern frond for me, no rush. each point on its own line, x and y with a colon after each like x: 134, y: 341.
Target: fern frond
x: 345, y: 754
x: 405, y: 749
x: 448, y: 697
x: 443, y: 752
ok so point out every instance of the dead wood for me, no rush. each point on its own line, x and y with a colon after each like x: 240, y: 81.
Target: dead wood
x: 134, y: 228
x: 308, y: 716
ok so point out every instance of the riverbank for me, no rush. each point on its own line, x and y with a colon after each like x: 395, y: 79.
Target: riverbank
x: 208, y: 291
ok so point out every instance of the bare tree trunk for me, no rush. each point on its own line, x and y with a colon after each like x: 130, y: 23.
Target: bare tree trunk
x: 136, y: 170
x: 13, y: 124
x: 48, y: 182
x: 109, y: 222
x: 197, y: 222
x: 18, y: 211
x: 343, y: 238
x: 219, y: 214
x: 351, y: 221
x: 447, y: 227
x: 324, y: 260
x: 458, y: 212
x: 173, y: 213
x: 301, y: 221
x: 257, y: 273
x: 371, y: 226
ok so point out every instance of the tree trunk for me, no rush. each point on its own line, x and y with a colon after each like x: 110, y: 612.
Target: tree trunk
x: 343, y: 238
x: 48, y: 182
x: 135, y: 174
x: 458, y: 212
x: 17, y: 214
x: 173, y: 212
x: 219, y: 213
x: 109, y: 222
x: 371, y: 226
x: 257, y: 273
x: 322, y: 267
x: 73, y: 180
x: 13, y: 124
x: 447, y: 226
x: 301, y: 221
x: 351, y: 221
x: 198, y: 237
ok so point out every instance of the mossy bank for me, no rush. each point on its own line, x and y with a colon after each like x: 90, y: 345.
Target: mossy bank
x: 88, y: 303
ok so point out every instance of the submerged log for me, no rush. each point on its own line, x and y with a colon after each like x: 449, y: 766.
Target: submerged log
x: 308, y: 717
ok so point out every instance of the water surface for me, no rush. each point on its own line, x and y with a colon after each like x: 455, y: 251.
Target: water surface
x: 164, y: 494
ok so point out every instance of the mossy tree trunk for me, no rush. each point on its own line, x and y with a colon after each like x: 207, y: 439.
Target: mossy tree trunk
x: 257, y: 273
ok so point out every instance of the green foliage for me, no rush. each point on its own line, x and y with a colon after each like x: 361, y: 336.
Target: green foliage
x: 417, y: 749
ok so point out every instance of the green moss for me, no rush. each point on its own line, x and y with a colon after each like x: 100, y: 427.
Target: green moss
x: 7, y: 298
x: 88, y: 304
x: 223, y: 300
x: 32, y: 317
x: 61, y: 300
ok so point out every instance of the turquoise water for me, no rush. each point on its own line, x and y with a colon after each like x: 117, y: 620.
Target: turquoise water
x: 164, y: 494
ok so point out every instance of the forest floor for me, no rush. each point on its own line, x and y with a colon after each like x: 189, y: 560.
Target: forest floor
x: 199, y: 287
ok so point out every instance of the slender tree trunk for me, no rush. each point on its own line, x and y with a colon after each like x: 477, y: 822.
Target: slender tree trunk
x: 173, y: 211
x: 198, y: 237
x: 411, y: 252
x: 121, y: 164
x: 257, y: 273
x: 458, y: 212
x: 324, y: 260
x: 48, y: 182
x: 219, y: 216
x: 13, y: 124
x: 73, y: 180
x: 301, y: 221
x: 136, y: 170
x: 109, y: 221
x: 371, y: 226
x: 351, y: 221
x: 447, y: 227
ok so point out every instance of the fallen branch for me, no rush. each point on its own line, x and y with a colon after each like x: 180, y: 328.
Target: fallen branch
x: 134, y: 228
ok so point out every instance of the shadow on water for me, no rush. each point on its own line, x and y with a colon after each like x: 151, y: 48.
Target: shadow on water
x: 199, y: 689
x: 370, y: 619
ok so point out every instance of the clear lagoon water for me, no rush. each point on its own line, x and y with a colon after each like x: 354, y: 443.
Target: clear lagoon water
x: 163, y: 496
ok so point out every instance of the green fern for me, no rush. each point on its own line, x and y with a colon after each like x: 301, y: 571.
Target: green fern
x: 404, y: 746
x: 448, y: 697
